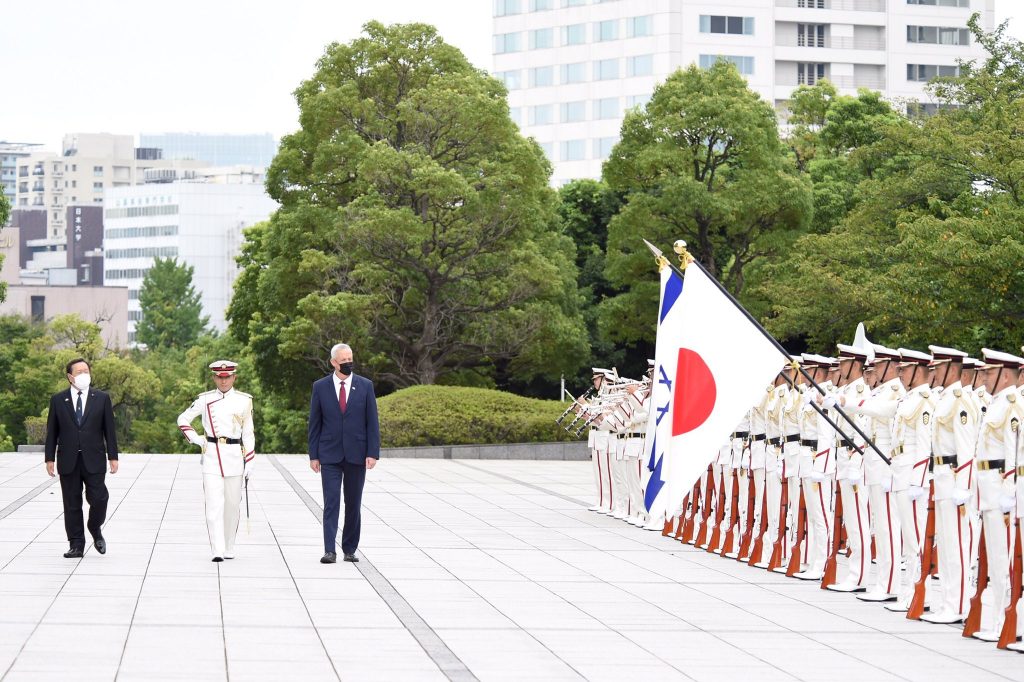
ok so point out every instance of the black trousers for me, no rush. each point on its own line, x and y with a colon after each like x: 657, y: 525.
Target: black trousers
x: 95, y: 494
x: 335, y: 479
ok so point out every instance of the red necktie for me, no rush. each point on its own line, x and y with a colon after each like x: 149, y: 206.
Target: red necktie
x: 341, y: 398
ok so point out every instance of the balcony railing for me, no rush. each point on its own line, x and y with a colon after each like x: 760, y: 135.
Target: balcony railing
x: 854, y: 5
x: 38, y: 187
x: 846, y: 82
x: 838, y: 43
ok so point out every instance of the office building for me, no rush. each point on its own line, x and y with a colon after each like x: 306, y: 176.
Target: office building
x: 214, y: 150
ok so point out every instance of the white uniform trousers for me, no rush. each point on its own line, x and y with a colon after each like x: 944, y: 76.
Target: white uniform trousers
x: 223, y: 501
x: 912, y: 524
x: 712, y: 518
x: 952, y: 536
x: 818, y: 500
x: 773, y: 486
x: 620, y: 486
x: 858, y: 536
x: 792, y: 517
x: 742, y: 500
x: 885, y: 522
x: 634, y: 474
x: 727, y: 476
x: 996, y: 596
x: 757, y: 477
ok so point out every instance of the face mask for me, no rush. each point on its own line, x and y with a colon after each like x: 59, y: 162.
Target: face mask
x: 345, y: 367
x: 82, y: 381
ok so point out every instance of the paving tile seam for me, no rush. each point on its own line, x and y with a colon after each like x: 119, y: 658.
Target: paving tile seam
x: 78, y: 564
x: 21, y: 501
x: 22, y: 472
x: 450, y: 665
x: 142, y: 583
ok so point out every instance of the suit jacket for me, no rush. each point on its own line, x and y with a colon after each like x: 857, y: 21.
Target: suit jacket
x: 351, y: 437
x: 95, y: 438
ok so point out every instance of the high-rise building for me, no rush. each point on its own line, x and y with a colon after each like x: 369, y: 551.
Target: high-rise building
x: 215, y: 150
x: 198, y: 221
x: 573, y: 67
x: 10, y: 153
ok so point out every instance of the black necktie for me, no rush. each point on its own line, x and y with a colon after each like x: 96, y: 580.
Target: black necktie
x: 78, y: 408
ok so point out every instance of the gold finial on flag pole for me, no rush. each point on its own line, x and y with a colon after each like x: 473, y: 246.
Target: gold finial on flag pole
x: 659, y: 258
x: 684, y: 256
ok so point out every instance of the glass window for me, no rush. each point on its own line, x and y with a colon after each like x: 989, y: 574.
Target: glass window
x: 639, y: 26
x: 809, y: 74
x: 516, y: 114
x: 574, y: 34
x: 941, y: 3
x: 606, y: 30
x: 573, y: 3
x: 606, y: 69
x: 730, y: 25
x: 506, y: 42
x: 574, y: 73
x: 603, y: 147
x: 745, y: 65
x: 640, y: 65
x: 574, y: 112
x: 542, y: 114
x: 606, y: 108
x: 542, y: 76
x: 542, y: 38
x: 541, y: 5
x: 935, y: 35
x: 574, y: 150
x: 512, y: 79
x: 504, y: 8
x: 549, y: 149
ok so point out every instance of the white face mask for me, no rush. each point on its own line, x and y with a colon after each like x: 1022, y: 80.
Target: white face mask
x: 82, y: 381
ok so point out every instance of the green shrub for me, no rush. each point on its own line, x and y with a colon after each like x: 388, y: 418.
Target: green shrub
x: 6, y: 442
x: 458, y: 415
x: 35, y: 430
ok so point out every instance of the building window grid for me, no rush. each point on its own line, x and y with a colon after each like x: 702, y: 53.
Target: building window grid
x: 142, y: 231
x: 573, y: 112
x: 506, y: 42
x: 637, y: 27
x: 542, y: 114
x: 809, y: 73
x: 606, y: 69
x: 941, y: 3
x: 541, y: 5
x: 744, y: 64
x: 511, y: 79
x: 606, y: 30
x: 141, y: 211
x: 606, y: 108
x: 574, y: 34
x: 713, y: 23
x: 504, y: 8
x: 542, y: 76
x: 574, y: 73
x: 574, y: 150
x: 542, y: 39
x: 640, y: 65
x: 810, y: 35
x: 923, y: 73
x: 938, y: 35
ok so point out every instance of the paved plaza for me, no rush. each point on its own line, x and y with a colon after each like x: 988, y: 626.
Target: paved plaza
x: 471, y: 569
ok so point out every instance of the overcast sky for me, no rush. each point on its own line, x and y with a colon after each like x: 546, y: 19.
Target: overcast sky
x: 134, y: 66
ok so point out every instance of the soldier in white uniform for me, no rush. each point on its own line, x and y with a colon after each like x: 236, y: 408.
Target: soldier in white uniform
x: 817, y: 473
x: 228, y: 446
x: 1018, y: 485
x: 954, y: 435
x: 1000, y: 434
x: 790, y: 459
x: 773, y: 467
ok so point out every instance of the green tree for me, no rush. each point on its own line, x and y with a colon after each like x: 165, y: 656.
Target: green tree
x: 172, y: 315
x: 931, y: 251
x: 5, y: 212
x: 702, y: 162
x: 415, y: 223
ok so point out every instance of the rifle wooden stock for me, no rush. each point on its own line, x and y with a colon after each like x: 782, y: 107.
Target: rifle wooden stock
x: 734, y: 514
x: 667, y: 528
x: 716, y: 534
x: 801, y: 534
x: 776, y: 558
x: 1009, y: 634
x: 927, y: 560
x: 688, y: 523
x: 702, y: 532
x: 973, y: 621
x: 748, y: 528
x: 682, y: 518
x: 829, y: 577
x: 755, y: 553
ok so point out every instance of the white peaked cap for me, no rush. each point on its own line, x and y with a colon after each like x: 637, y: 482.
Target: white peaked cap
x: 907, y: 354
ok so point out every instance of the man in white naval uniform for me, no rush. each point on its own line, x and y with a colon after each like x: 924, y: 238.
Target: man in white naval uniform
x: 954, y: 435
x: 228, y: 444
x: 1000, y: 434
x: 817, y: 473
x: 1016, y: 537
x: 773, y: 467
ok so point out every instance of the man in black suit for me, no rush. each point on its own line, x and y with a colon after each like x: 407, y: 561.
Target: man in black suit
x: 79, y: 436
x: 344, y: 442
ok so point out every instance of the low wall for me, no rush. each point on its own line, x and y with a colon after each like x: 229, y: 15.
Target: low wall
x: 570, y: 451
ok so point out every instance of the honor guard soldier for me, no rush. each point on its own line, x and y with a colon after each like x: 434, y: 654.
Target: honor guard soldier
x: 954, y: 435
x: 1000, y: 434
x: 773, y: 467
x: 228, y: 447
x: 817, y: 472
x: 790, y: 444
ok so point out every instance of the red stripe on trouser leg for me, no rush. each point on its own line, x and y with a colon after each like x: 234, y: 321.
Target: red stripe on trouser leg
x: 892, y: 545
x: 600, y: 479
x: 860, y: 534
x: 963, y: 572
x: 611, y: 490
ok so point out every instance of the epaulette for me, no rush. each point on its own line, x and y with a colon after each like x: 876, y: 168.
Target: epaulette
x: 209, y: 392
x: 244, y: 395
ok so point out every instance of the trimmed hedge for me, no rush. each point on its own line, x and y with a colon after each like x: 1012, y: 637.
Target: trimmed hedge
x: 457, y: 415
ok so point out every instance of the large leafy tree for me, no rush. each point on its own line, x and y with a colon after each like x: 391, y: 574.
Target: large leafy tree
x: 172, y: 314
x: 416, y: 224
x: 5, y: 212
x: 931, y: 251
x: 702, y: 162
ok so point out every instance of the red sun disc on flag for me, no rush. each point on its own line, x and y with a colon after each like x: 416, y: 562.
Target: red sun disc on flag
x: 694, y: 393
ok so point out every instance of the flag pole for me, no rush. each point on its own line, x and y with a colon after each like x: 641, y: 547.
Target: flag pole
x: 687, y: 259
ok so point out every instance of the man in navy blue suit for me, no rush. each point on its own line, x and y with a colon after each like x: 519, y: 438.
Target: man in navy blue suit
x: 344, y: 441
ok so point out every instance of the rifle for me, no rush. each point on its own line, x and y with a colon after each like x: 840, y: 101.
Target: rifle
x: 829, y: 577
x: 716, y: 534
x: 667, y: 528
x: 687, y: 535
x: 973, y: 621
x: 702, y: 534
x: 777, y: 548
x: 573, y: 404
x: 1009, y: 634
x: 801, y: 535
x: 927, y: 559
x: 678, y: 534
x: 734, y: 513
x: 748, y: 529
x: 755, y: 553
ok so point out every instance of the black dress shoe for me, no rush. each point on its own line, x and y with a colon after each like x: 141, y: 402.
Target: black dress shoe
x: 218, y: 559
x: 100, y: 544
x: 351, y: 557
x: 74, y: 553
x: 329, y: 558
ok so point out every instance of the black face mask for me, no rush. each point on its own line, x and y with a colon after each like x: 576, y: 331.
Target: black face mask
x: 345, y: 367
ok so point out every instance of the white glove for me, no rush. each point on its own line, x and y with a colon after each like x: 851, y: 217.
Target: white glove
x: 809, y: 398
x: 830, y: 401
x: 818, y: 477
x: 1007, y: 503
x: 961, y: 496
x: 887, y: 484
x: 247, y: 469
x: 916, y: 492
